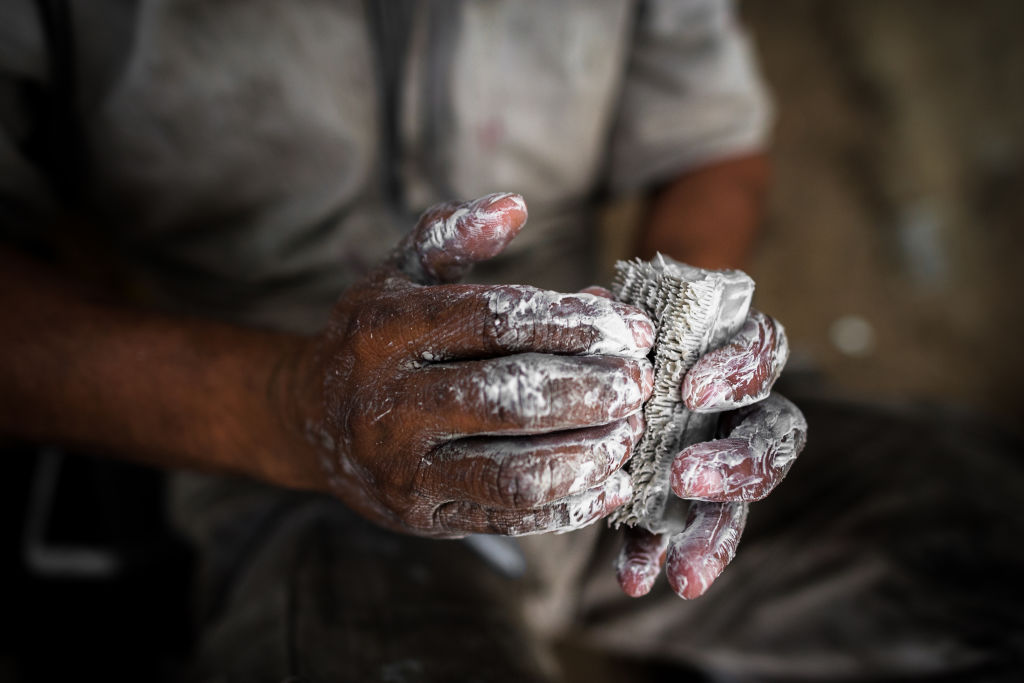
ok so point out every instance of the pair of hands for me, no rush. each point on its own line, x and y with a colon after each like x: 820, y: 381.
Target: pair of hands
x: 442, y: 409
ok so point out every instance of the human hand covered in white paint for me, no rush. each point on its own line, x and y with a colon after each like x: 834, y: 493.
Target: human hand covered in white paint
x: 449, y: 409
x: 761, y: 438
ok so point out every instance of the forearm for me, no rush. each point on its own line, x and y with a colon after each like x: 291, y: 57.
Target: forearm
x: 169, y: 391
x: 709, y: 217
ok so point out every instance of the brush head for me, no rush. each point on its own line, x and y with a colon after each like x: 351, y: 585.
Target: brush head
x: 694, y: 311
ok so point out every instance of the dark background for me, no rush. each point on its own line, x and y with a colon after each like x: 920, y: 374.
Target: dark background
x: 899, y: 194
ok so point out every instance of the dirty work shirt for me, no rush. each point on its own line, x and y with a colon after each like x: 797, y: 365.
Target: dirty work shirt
x: 248, y: 160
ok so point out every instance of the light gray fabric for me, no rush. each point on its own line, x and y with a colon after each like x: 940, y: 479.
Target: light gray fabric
x: 692, y: 94
x: 236, y: 147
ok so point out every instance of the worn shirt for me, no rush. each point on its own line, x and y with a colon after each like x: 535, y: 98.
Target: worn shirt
x: 249, y: 159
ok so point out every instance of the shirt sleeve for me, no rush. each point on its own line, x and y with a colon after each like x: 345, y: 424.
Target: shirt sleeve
x: 692, y: 94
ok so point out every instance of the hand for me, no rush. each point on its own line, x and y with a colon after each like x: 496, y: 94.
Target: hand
x: 762, y: 437
x: 445, y: 409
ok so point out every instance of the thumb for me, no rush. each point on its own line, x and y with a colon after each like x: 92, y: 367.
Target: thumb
x: 449, y: 238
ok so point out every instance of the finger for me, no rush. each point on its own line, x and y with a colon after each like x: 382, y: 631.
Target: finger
x: 763, y: 442
x: 449, y: 238
x: 568, y: 514
x: 699, y: 553
x: 529, y: 393
x: 475, y: 321
x: 741, y: 372
x: 526, y: 472
x: 640, y: 561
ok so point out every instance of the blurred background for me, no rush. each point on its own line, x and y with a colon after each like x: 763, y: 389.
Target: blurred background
x: 893, y: 247
x: 899, y: 180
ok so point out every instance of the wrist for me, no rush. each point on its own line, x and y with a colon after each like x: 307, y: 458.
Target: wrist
x: 294, y: 403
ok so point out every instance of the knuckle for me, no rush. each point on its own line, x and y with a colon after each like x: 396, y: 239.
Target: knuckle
x: 445, y: 519
x: 509, y: 324
x: 514, y: 395
x: 521, y: 486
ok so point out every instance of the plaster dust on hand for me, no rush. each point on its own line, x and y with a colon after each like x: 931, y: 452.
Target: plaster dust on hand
x: 578, y: 511
x: 468, y: 224
x: 763, y: 443
x: 535, y: 386
x: 615, y: 329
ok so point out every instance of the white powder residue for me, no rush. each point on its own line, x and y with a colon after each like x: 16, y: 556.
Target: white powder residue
x: 707, y: 545
x: 602, y: 326
x: 727, y: 378
x: 585, y: 508
x: 466, y: 221
x: 576, y: 512
x: 751, y: 461
x: 533, y: 386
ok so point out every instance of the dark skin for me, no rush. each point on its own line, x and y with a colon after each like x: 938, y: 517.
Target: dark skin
x: 302, y: 412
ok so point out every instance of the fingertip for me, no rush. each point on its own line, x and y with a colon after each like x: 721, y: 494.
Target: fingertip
x: 691, y: 577
x: 636, y: 579
x: 584, y: 509
x: 640, y: 560
x: 740, y: 373
x: 491, y: 222
x: 452, y: 237
x: 620, y: 489
x: 510, y: 206
x: 637, y: 425
x: 698, y: 554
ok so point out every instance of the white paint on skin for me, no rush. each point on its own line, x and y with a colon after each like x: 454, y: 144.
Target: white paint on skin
x: 535, y: 386
x: 586, y: 508
x: 706, y: 546
x: 519, y: 311
x: 750, y: 462
x: 466, y: 221
x: 741, y: 373
x: 575, y: 512
x: 638, y: 564
x: 529, y: 471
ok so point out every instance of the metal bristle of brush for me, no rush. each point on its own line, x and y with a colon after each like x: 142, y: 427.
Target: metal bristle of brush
x: 694, y: 311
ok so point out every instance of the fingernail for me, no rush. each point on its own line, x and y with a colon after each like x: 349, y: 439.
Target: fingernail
x: 643, y: 333
x: 704, y: 395
x: 511, y: 200
x: 698, y: 483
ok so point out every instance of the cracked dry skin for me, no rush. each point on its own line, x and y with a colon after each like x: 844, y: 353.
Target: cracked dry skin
x: 694, y: 311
